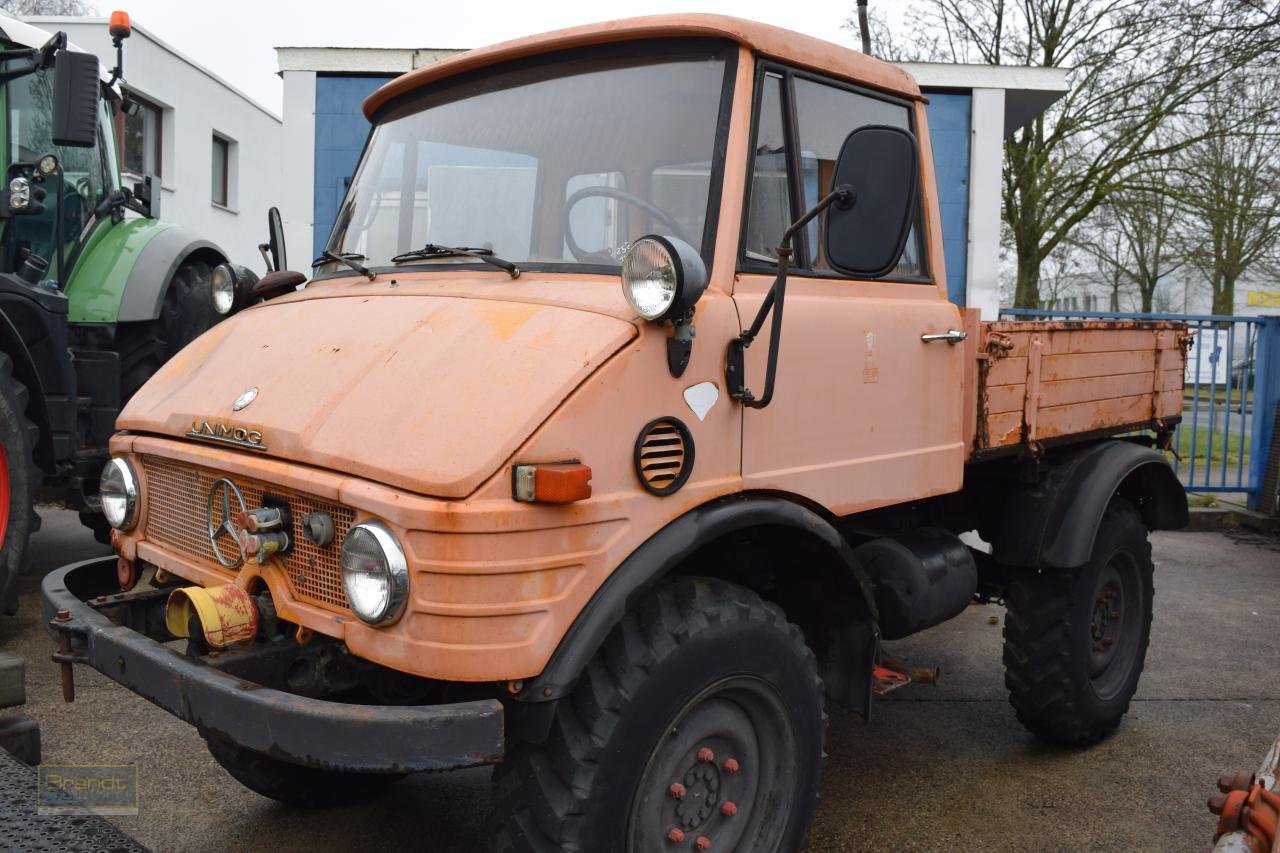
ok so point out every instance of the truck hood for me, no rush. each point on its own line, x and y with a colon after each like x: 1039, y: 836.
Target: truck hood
x: 426, y: 393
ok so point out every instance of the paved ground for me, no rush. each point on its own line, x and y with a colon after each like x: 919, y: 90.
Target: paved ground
x: 944, y: 768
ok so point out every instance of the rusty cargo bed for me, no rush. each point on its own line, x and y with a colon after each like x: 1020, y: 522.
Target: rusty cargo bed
x: 1041, y: 383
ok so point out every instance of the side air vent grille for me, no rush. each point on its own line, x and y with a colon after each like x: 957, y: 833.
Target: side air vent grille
x: 664, y: 455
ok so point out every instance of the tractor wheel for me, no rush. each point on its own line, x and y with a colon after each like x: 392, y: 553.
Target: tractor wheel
x: 294, y: 784
x: 186, y: 313
x: 19, y: 478
x: 698, y: 725
x: 1075, y: 641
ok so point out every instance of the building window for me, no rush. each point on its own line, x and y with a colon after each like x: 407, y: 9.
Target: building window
x: 221, y: 171
x: 140, y: 137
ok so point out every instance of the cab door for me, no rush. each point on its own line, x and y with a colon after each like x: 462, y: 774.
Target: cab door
x: 865, y: 413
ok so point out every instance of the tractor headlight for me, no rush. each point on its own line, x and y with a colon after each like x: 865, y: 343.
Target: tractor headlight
x: 374, y: 573
x: 118, y: 490
x: 19, y: 193
x: 662, y: 277
x: 229, y: 285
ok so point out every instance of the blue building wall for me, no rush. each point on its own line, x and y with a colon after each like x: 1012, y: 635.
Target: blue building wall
x: 949, y: 131
x: 341, y: 130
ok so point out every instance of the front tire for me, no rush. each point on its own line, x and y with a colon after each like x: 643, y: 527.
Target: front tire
x: 1076, y: 640
x: 701, y: 717
x: 294, y: 784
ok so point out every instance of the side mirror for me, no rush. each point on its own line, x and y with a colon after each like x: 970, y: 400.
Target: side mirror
x: 866, y: 234
x: 870, y: 210
x: 277, y: 259
x: 75, y: 99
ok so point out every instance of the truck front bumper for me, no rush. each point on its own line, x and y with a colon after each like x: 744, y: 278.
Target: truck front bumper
x: 313, y: 732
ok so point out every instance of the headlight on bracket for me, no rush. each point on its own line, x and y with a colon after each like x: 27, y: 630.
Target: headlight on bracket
x: 662, y: 277
x: 229, y: 287
x: 375, y: 573
x: 118, y: 491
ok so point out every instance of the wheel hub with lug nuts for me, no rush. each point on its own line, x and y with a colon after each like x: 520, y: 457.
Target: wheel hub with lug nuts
x: 702, y: 778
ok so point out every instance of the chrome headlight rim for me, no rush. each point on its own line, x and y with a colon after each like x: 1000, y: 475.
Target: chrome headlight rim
x: 222, y: 289
x: 687, y: 269
x: 397, y: 569
x: 128, y: 490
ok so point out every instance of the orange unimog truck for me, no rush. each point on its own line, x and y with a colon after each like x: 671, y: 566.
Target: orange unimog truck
x: 478, y: 493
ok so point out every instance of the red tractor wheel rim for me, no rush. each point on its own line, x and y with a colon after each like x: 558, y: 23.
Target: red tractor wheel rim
x: 4, y: 493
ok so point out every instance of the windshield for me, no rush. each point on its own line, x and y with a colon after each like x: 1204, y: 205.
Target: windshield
x: 561, y: 161
x: 89, y: 173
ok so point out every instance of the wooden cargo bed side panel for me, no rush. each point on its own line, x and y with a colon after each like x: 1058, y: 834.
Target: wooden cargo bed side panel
x: 1050, y: 380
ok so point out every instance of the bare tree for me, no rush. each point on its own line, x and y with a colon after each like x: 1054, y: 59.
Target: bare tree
x: 1231, y: 176
x: 25, y: 8
x: 1135, y: 66
x: 1134, y: 238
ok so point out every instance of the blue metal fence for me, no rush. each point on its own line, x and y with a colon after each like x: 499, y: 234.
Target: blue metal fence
x: 1232, y: 385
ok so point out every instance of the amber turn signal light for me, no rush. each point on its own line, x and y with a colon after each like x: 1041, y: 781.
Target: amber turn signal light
x: 552, y: 483
x: 119, y: 26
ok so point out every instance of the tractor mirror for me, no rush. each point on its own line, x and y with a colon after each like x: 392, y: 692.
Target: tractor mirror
x: 867, y: 233
x: 75, y: 99
x: 275, y: 240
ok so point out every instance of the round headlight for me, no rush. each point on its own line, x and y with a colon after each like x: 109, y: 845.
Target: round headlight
x: 374, y: 573
x: 662, y: 277
x: 48, y: 164
x: 118, y: 490
x: 223, y: 284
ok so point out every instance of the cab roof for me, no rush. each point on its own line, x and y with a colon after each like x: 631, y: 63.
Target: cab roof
x: 786, y: 46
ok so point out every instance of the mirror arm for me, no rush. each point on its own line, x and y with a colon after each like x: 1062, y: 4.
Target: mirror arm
x: 843, y: 196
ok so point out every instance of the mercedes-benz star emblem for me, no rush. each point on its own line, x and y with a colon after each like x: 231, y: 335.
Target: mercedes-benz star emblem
x: 245, y: 399
x: 222, y: 520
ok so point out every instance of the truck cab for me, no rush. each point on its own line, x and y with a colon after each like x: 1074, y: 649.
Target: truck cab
x: 623, y: 417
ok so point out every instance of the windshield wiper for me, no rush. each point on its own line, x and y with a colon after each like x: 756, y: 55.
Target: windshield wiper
x: 347, y: 259
x: 432, y: 251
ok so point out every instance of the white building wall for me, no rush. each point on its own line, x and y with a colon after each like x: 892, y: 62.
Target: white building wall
x: 986, y: 158
x: 297, y: 207
x: 197, y: 106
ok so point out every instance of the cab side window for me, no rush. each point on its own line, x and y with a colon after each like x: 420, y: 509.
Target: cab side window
x: 770, y: 205
x: 824, y: 117
x: 825, y: 114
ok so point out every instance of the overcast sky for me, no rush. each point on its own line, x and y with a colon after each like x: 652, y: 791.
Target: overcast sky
x: 236, y: 38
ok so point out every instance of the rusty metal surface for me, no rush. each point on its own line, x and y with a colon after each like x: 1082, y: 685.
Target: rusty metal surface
x: 312, y: 732
x: 22, y: 829
x: 1052, y: 382
x: 1248, y: 808
x: 176, y: 518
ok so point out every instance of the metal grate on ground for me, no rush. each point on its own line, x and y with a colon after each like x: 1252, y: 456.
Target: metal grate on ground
x: 22, y: 829
x: 176, y: 497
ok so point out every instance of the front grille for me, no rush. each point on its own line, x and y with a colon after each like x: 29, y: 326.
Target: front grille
x: 177, y: 500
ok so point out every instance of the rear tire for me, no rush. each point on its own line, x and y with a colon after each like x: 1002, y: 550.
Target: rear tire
x: 187, y: 312
x: 293, y: 784
x: 1076, y: 640
x: 19, y: 478
x: 699, y: 673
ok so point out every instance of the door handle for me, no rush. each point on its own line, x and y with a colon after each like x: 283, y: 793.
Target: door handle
x: 951, y: 336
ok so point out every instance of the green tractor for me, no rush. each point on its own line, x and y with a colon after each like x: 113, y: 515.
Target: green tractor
x: 95, y: 292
